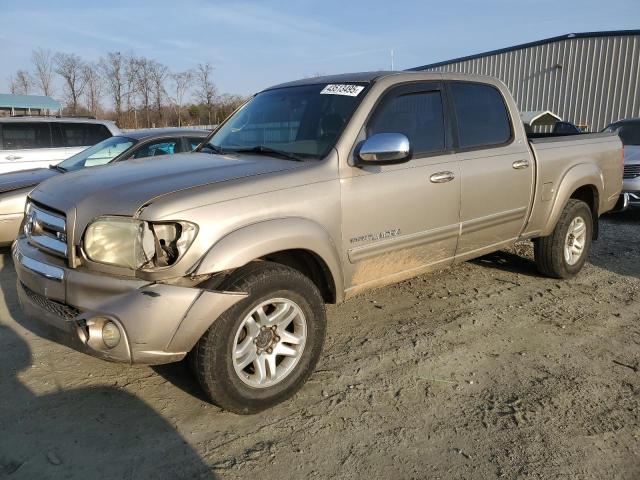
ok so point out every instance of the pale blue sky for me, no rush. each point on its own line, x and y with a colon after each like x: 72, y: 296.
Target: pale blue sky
x: 255, y: 44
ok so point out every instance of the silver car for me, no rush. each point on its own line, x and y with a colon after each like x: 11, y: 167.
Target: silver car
x: 15, y: 186
x: 629, y: 132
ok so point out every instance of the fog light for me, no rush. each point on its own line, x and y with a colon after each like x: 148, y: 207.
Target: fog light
x: 110, y: 334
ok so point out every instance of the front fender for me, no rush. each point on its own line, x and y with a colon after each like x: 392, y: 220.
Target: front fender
x: 246, y: 244
x: 583, y: 174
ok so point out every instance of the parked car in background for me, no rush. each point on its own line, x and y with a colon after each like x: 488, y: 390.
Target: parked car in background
x: 15, y: 186
x: 629, y: 132
x: 34, y: 142
x: 565, y: 128
x: 312, y: 192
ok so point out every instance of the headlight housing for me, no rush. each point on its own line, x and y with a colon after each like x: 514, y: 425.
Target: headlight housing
x: 137, y: 244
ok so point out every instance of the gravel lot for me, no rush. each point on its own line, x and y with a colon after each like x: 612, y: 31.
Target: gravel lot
x: 482, y: 371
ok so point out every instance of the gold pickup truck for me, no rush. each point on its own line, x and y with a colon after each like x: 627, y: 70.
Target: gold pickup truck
x: 311, y: 192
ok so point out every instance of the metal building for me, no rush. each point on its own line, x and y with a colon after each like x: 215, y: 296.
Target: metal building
x: 590, y: 79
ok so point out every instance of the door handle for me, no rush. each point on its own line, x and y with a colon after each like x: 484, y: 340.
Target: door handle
x: 442, y: 177
x: 13, y: 157
x: 520, y: 164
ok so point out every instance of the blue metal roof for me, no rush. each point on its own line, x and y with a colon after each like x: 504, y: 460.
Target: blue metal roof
x: 612, y: 33
x: 9, y: 100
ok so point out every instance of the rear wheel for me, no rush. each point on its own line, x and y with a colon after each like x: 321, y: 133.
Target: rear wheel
x: 262, y: 350
x: 563, y: 253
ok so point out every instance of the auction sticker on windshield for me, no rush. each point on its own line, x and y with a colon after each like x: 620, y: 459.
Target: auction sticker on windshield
x: 342, y: 89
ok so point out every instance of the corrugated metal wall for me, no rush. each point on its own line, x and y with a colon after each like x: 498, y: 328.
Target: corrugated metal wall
x: 588, y: 81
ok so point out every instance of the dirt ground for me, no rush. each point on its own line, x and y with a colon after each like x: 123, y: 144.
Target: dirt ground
x: 486, y: 370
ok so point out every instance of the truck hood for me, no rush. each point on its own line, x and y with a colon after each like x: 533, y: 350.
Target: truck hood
x: 123, y: 188
x: 25, y: 178
x: 632, y: 154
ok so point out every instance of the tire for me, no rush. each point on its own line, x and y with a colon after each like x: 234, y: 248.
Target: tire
x: 549, y: 252
x: 215, y: 357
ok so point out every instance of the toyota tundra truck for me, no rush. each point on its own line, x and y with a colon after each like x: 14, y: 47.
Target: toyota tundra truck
x: 311, y: 192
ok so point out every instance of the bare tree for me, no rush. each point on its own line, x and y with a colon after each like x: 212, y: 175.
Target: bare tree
x: 206, y: 90
x: 13, y: 85
x: 144, y: 84
x: 112, y: 67
x: 93, y: 87
x: 131, y: 86
x: 43, y: 65
x: 20, y: 83
x: 181, y: 85
x: 226, y: 104
x: 71, y: 68
x: 159, y: 74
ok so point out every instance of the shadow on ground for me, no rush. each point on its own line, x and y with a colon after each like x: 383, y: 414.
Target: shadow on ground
x: 85, y: 432
x: 508, y: 262
x: 180, y: 376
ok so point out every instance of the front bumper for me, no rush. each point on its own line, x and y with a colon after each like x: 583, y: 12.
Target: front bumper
x: 158, y: 323
x: 632, y: 187
x: 634, y: 198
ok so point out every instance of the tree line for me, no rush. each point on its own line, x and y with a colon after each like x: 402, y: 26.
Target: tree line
x: 135, y: 91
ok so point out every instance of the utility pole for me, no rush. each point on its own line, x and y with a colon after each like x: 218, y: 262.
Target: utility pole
x: 392, y: 55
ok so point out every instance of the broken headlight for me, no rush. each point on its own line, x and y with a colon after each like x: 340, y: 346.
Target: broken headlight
x: 137, y: 244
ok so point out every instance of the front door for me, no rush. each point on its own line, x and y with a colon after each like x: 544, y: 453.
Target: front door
x: 397, y: 220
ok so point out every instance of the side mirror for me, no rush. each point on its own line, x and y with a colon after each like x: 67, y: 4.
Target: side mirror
x: 384, y: 149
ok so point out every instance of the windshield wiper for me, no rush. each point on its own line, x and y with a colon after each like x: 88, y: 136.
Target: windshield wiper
x: 261, y: 149
x: 213, y: 148
x: 58, y: 168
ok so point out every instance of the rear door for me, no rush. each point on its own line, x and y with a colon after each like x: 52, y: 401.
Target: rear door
x: 25, y: 145
x: 497, y: 169
x: 400, y: 218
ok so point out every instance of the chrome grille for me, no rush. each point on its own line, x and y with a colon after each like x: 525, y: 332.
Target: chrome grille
x: 59, y: 309
x: 631, y: 171
x: 45, y: 230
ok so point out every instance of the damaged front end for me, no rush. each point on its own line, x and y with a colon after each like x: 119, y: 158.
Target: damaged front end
x: 136, y: 244
x: 123, y: 319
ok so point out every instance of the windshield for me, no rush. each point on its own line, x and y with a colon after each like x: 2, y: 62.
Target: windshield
x: 99, y: 154
x: 629, y: 132
x: 299, y: 122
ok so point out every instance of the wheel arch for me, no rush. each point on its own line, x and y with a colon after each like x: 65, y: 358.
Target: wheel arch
x: 582, y: 182
x: 295, y: 242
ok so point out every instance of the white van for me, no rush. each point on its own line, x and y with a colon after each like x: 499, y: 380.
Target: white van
x: 36, y: 142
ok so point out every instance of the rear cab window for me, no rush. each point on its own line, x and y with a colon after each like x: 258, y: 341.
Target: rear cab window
x: 481, y: 115
x: 25, y: 135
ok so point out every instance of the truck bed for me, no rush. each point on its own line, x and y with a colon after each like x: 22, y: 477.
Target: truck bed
x: 597, y: 155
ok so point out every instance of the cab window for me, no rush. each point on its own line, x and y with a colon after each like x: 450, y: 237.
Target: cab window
x: 481, y: 115
x: 82, y: 134
x: 25, y: 135
x: 166, y: 146
x: 194, y: 142
x: 417, y: 114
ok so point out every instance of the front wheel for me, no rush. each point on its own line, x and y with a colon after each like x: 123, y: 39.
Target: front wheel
x: 262, y: 350
x: 563, y: 253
